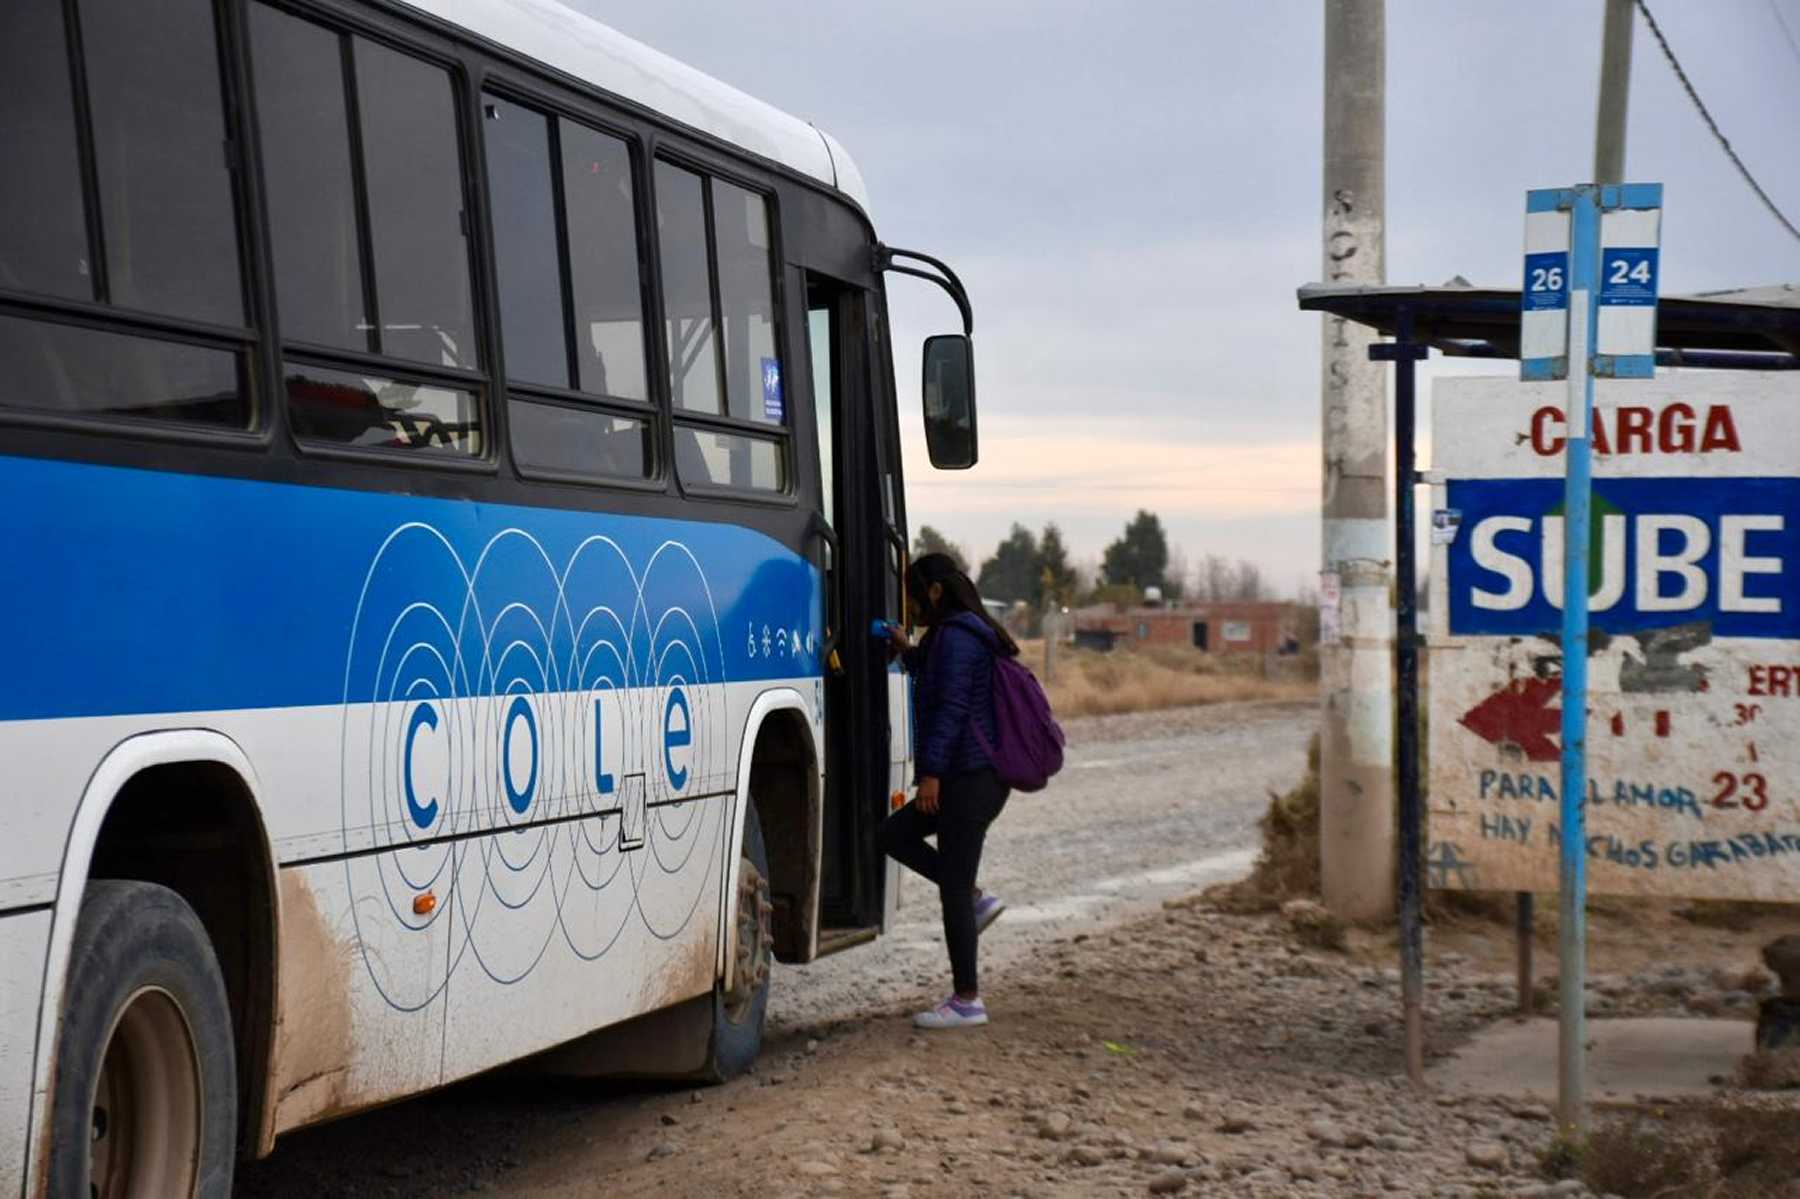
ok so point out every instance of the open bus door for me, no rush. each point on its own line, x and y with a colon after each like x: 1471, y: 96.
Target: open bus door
x: 868, y: 735
x: 865, y: 545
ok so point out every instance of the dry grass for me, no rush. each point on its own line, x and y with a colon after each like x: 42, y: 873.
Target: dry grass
x: 1756, y: 1149
x: 1312, y: 924
x: 1770, y: 1070
x: 1733, y: 915
x: 1641, y: 1155
x: 1087, y: 683
x: 1727, y: 1149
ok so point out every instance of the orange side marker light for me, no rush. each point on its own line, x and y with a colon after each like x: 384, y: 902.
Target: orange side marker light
x: 424, y: 905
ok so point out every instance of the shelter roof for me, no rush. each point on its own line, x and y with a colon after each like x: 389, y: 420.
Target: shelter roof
x: 1750, y: 328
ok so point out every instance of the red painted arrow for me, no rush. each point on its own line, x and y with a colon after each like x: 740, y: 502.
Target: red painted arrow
x: 1517, y: 715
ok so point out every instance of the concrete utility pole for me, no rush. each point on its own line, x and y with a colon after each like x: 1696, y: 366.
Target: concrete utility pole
x: 1356, y: 751
x: 1615, y: 93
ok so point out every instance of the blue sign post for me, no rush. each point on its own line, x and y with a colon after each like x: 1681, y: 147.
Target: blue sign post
x: 1597, y: 318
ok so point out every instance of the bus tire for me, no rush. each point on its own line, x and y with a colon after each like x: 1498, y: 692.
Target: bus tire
x: 144, y: 1100
x: 738, y: 1014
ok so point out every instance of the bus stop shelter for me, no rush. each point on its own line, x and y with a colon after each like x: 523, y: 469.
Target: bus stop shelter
x: 1756, y: 329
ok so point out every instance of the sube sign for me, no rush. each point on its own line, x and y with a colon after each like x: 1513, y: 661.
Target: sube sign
x: 1694, y: 597
x: 1723, y: 551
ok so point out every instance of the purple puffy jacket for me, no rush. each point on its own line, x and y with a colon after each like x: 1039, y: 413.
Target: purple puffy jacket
x: 953, y: 683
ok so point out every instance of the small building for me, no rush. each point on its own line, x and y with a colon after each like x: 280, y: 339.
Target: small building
x: 1248, y: 627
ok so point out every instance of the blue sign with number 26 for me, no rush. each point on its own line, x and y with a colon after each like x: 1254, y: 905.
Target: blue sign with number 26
x: 1546, y: 280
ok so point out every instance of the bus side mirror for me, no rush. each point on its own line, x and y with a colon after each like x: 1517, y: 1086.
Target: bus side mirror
x: 949, y: 378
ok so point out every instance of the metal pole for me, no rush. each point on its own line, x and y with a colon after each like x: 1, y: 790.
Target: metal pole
x: 1404, y: 353
x: 1615, y: 93
x: 1356, y: 749
x: 1584, y: 272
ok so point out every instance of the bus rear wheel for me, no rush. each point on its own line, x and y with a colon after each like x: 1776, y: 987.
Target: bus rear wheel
x: 145, y: 1097
x: 738, y: 1013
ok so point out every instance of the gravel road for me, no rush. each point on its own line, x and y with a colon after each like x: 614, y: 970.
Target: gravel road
x: 1149, y: 806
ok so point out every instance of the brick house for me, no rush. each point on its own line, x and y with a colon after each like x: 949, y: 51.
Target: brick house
x: 1259, y: 627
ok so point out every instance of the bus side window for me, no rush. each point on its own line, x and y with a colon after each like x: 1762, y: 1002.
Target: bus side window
x: 305, y: 124
x: 713, y: 239
x: 165, y: 188
x: 416, y: 303
x: 410, y: 298
x: 43, y: 239
x: 600, y: 200
x: 561, y: 198
x: 694, y: 378
x: 534, y: 334
x: 747, y: 303
x: 155, y: 233
x: 415, y: 178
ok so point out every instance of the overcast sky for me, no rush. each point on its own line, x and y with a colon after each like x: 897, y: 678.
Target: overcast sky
x: 1131, y: 192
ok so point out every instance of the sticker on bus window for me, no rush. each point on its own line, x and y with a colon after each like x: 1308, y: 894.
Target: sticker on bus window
x: 772, y: 406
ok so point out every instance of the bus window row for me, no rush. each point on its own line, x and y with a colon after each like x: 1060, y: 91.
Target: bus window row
x: 122, y: 291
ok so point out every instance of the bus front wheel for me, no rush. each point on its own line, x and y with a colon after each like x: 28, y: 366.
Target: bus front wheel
x: 738, y: 1013
x: 145, y: 1095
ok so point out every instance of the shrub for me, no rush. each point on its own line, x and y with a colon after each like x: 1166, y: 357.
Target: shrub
x: 1643, y: 1156
x: 1756, y: 1148
x: 1770, y: 1070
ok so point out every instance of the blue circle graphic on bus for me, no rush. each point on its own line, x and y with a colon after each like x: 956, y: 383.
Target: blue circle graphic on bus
x: 519, y: 798
x: 678, y: 733
x: 541, y: 737
x: 423, y: 814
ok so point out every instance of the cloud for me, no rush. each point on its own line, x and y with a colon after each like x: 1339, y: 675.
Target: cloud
x: 1132, y: 193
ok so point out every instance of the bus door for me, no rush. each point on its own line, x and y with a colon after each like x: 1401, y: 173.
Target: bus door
x: 862, y: 552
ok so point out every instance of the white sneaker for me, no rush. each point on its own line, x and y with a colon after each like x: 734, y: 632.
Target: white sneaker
x: 953, y: 1013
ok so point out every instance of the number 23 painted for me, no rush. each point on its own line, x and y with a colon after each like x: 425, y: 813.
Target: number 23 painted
x: 1756, y: 790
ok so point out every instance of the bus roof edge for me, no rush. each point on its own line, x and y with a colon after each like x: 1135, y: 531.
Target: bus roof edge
x: 580, y: 46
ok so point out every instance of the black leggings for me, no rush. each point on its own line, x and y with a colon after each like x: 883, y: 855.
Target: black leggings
x: 967, y: 804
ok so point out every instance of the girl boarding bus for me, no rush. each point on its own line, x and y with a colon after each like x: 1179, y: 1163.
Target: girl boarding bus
x: 449, y: 452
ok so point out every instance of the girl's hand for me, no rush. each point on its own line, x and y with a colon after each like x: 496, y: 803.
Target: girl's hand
x: 928, y: 796
x: 897, y: 642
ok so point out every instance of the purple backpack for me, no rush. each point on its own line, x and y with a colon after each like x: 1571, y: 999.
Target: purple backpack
x: 1030, y: 747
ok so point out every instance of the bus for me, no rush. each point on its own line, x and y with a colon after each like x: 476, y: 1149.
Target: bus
x: 451, y: 469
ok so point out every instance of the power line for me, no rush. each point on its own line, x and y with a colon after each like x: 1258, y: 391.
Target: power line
x: 1713, y: 125
x: 1786, y: 29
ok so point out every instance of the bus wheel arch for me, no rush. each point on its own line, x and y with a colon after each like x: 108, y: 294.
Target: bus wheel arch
x: 779, y: 771
x: 178, y: 809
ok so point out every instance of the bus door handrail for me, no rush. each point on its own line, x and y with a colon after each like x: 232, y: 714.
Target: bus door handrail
x: 898, y: 542
x: 822, y: 530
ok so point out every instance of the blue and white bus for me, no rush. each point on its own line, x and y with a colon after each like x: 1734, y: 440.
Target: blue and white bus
x: 448, y: 452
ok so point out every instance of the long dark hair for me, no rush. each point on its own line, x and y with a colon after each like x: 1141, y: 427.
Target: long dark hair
x: 958, y: 595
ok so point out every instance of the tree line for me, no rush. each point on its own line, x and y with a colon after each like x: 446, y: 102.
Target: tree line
x: 1035, y: 569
